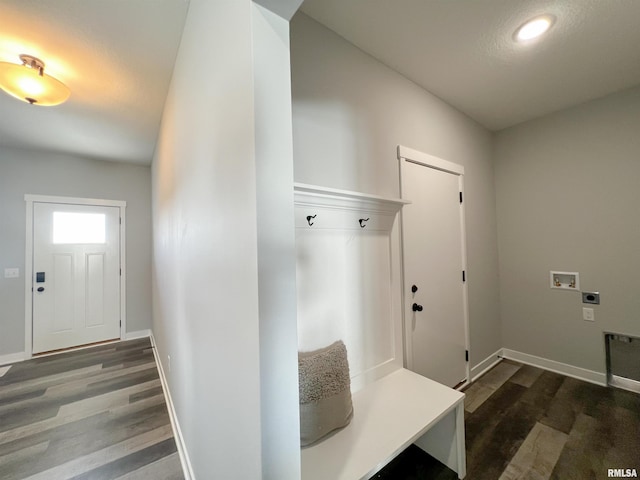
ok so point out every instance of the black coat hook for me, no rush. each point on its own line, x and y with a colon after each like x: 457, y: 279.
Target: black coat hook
x: 362, y: 222
x: 309, y: 217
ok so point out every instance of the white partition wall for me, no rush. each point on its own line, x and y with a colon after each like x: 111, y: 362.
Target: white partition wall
x: 224, y: 325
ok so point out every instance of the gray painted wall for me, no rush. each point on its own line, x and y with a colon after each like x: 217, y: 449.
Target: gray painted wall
x: 567, y: 199
x: 349, y: 114
x: 32, y: 172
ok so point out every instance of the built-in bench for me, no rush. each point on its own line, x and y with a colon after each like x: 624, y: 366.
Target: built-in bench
x: 349, y: 288
x: 389, y: 415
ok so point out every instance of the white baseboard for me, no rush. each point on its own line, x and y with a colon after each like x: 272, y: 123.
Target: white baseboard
x: 624, y: 383
x: 13, y: 358
x: 557, y: 367
x: 485, y: 365
x: 138, y: 334
x: 22, y: 356
x: 177, y: 433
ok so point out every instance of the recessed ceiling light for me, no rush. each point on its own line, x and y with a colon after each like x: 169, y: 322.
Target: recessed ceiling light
x: 534, y: 28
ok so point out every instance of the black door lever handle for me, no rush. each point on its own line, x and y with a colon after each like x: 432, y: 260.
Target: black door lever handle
x: 416, y: 307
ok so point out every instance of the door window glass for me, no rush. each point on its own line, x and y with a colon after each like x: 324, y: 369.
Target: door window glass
x: 73, y: 227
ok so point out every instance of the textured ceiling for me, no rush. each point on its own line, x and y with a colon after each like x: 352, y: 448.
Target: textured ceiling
x: 117, y: 58
x: 463, y: 50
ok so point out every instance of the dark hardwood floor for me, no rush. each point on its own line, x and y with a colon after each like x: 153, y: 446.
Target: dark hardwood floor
x: 96, y: 414
x: 525, y: 423
x: 99, y: 414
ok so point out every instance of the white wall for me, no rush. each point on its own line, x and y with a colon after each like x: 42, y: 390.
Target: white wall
x: 567, y: 199
x: 224, y: 272
x: 41, y: 173
x: 284, y: 9
x: 350, y: 112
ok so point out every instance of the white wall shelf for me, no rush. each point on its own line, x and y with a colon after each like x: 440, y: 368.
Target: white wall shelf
x: 330, y: 208
x: 303, y: 190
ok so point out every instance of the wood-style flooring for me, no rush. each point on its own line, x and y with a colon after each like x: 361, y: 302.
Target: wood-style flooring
x: 93, y: 414
x: 522, y: 422
x: 100, y: 413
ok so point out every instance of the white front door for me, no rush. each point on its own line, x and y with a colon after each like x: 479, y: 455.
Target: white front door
x: 435, y: 298
x: 76, y: 275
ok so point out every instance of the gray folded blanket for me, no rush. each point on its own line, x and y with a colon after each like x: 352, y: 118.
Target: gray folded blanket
x: 325, y: 392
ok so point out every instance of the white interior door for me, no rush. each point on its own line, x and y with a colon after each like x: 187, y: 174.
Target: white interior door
x: 435, y: 297
x: 76, y: 275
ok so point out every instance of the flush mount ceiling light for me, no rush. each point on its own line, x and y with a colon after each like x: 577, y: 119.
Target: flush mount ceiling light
x: 29, y: 83
x: 534, y: 28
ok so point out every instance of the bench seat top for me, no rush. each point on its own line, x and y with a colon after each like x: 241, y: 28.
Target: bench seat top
x: 388, y: 416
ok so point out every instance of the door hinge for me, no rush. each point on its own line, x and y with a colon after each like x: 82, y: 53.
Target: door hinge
x: 464, y: 276
x: 120, y: 323
x: 460, y: 197
x: 120, y: 219
x: 466, y: 355
x: 120, y: 272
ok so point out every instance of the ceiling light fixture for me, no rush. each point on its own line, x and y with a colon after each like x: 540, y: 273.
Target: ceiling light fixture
x: 29, y: 83
x: 534, y: 28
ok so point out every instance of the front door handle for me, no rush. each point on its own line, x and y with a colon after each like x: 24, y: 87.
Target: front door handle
x: 416, y: 307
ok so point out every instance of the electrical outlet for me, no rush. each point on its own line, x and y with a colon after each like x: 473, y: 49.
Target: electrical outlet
x: 588, y: 315
x: 11, y: 272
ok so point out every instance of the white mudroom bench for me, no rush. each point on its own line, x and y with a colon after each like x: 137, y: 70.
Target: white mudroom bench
x: 349, y: 288
x: 390, y: 414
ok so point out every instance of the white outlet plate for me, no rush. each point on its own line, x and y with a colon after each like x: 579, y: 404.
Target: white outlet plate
x: 588, y: 314
x: 11, y: 272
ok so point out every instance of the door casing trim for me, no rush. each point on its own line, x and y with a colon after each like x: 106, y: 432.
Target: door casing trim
x: 28, y: 260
